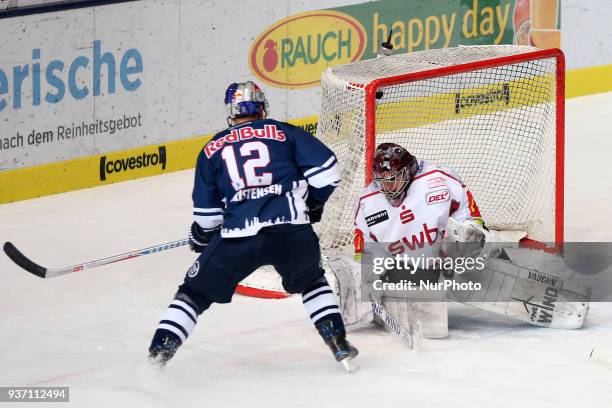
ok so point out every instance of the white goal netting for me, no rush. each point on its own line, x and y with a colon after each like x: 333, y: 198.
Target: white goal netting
x: 492, y: 113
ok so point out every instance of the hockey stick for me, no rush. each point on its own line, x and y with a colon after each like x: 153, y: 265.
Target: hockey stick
x: 26, y: 263
x: 35, y: 269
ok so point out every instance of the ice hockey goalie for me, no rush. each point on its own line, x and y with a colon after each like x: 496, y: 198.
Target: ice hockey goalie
x: 420, y: 219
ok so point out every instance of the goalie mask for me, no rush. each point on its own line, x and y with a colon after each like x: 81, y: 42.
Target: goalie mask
x: 393, y: 169
x: 245, y: 99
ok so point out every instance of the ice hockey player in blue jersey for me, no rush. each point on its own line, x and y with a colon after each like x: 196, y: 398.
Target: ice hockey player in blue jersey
x: 259, y: 185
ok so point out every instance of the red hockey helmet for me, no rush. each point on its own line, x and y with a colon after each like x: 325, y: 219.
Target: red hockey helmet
x: 393, y: 168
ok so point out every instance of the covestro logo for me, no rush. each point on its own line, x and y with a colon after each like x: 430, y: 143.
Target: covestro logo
x: 145, y: 160
x: 293, y: 52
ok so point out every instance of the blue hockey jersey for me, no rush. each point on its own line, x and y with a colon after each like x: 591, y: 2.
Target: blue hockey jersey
x: 260, y: 173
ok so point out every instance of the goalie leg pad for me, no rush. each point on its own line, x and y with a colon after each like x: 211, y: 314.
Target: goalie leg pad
x: 357, y: 312
x: 526, y: 294
x: 433, y: 316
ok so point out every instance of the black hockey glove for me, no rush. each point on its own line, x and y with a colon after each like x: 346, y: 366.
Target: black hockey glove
x: 199, y: 237
x: 315, y: 209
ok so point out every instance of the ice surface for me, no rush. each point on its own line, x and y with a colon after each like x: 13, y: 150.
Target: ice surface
x: 90, y: 331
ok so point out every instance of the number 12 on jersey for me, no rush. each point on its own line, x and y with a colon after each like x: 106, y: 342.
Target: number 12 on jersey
x: 260, y: 159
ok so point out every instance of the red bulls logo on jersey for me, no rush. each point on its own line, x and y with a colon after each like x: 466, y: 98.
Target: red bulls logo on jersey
x: 270, y: 132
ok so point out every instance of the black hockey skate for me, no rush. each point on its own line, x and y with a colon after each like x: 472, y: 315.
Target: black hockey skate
x: 163, y: 347
x: 343, y: 351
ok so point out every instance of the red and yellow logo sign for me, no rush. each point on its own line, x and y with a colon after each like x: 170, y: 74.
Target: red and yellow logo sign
x: 294, y: 52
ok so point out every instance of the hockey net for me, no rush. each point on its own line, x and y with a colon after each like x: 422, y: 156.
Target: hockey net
x: 492, y: 113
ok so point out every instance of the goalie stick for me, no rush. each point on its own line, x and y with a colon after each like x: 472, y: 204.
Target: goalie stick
x: 412, y: 335
x: 35, y: 269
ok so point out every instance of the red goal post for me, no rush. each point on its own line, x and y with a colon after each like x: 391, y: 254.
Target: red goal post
x: 504, y: 135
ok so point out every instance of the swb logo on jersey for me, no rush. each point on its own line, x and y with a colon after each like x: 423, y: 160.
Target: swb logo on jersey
x: 377, y: 218
x: 410, y: 243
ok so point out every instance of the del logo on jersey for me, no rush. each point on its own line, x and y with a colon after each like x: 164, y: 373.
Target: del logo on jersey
x: 437, y: 197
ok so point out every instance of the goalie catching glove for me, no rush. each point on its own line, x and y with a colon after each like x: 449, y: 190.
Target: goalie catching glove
x: 469, y: 239
x: 199, y: 237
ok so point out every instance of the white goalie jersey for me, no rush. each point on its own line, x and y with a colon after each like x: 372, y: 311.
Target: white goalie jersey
x: 415, y: 226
